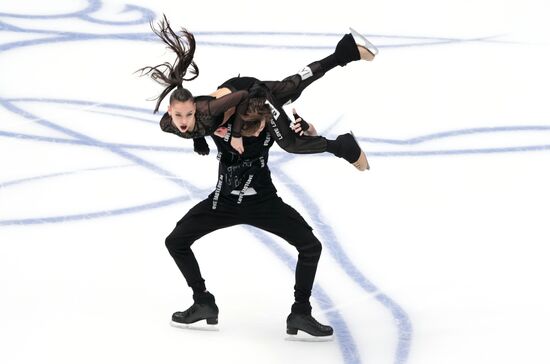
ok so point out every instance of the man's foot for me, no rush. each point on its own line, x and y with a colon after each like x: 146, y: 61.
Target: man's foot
x: 197, y: 312
x: 203, y: 308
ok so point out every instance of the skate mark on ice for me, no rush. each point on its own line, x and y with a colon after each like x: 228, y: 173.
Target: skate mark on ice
x: 488, y: 132
x: 330, y: 240
x: 87, y: 14
x: 341, y: 331
x: 191, y: 190
x: 132, y: 111
x: 260, y: 39
x: 346, y: 342
x: 346, y: 345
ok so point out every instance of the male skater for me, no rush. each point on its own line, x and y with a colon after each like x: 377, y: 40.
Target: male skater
x: 245, y: 194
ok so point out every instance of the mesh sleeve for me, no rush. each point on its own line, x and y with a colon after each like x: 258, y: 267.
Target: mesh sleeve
x: 238, y: 99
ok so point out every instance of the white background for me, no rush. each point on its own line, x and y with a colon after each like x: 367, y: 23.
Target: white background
x: 438, y: 254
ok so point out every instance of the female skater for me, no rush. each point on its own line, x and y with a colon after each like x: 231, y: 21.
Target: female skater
x: 248, y: 101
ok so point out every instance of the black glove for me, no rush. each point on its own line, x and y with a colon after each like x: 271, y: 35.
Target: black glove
x: 303, y: 124
x: 201, y: 146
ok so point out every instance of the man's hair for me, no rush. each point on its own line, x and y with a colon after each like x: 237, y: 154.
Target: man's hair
x: 257, y: 111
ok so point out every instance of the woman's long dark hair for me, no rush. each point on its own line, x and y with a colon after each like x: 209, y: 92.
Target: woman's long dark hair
x: 172, y: 75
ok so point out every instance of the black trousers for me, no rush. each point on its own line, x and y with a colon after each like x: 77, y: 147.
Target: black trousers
x: 268, y: 213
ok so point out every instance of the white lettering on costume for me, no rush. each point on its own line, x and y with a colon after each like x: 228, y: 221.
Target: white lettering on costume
x: 305, y: 73
x: 245, y: 187
x: 228, y: 134
x: 217, y: 193
x: 275, y: 115
x: 274, y: 112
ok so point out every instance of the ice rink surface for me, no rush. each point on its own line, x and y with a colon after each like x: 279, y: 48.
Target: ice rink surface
x: 438, y: 254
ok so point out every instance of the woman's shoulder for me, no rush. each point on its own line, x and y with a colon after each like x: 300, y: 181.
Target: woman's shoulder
x: 203, y: 99
x: 202, y: 103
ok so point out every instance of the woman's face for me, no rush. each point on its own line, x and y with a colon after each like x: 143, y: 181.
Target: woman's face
x: 183, y: 115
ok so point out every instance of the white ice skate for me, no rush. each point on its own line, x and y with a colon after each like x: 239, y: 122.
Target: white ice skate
x: 364, y: 43
x: 362, y: 163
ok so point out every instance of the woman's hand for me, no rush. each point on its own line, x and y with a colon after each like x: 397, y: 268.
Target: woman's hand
x: 237, y: 144
x: 200, y: 146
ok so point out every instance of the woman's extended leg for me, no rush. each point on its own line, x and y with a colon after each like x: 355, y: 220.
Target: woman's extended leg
x: 280, y: 92
x: 290, y: 88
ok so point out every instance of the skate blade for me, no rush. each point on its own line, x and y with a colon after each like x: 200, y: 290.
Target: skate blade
x: 199, y: 325
x: 304, y: 336
x: 361, y: 40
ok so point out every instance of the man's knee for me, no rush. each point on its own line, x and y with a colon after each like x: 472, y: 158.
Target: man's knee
x: 177, y: 244
x: 170, y: 243
x: 312, y: 252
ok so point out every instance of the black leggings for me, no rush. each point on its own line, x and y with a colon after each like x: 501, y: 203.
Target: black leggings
x: 281, y: 92
x: 268, y: 213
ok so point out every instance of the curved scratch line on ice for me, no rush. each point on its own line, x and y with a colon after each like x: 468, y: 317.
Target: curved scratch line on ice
x: 59, y: 174
x: 346, y: 344
x: 118, y: 151
x: 93, y: 6
x: 403, y: 321
x: 86, y: 14
x: 146, y: 16
x: 342, y: 332
x: 96, y: 214
x: 454, y: 133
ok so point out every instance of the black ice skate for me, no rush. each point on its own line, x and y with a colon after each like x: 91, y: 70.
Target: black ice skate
x: 363, y: 42
x: 307, y: 324
x: 190, y: 318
